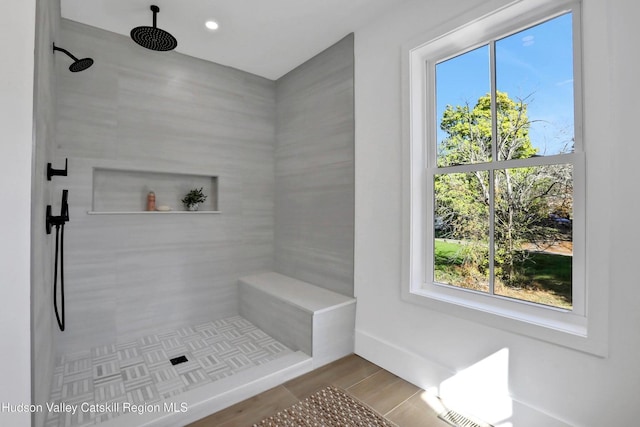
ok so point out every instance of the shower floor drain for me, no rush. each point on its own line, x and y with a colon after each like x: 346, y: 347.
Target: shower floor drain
x: 456, y: 419
x: 178, y: 360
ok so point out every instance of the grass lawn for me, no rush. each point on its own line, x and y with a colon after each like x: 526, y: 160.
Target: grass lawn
x: 546, y: 278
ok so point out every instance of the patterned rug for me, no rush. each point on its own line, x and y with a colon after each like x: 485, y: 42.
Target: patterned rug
x: 329, y: 407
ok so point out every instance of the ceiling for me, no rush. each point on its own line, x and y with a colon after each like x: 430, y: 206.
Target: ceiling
x: 264, y: 37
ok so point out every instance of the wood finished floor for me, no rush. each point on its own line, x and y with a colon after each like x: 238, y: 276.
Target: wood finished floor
x: 396, y: 399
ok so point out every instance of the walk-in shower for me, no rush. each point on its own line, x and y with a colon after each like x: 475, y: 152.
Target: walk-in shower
x: 171, y: 309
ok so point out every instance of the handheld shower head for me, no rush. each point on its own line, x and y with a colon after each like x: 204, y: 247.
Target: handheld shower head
x: 78, y: 64
x: 154, y: 38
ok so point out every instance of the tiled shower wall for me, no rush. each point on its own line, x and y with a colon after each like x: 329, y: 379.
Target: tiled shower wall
x: 42, y: 193
x: 315, y: 170
x: 127, y: 275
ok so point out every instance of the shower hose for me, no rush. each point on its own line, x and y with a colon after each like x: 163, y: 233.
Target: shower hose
x: 60, y: 248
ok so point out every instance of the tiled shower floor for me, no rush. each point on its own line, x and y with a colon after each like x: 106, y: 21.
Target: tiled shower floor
x: 139, y: 371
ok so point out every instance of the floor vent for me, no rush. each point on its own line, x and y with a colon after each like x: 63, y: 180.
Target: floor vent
x: 177, y: 360
x: 458, y: 420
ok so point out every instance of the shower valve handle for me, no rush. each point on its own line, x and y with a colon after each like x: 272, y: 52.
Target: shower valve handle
x: 57, y: 172
x: 60, y: 220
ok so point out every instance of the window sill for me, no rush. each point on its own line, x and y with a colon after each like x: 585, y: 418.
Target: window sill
x: 548, y: 324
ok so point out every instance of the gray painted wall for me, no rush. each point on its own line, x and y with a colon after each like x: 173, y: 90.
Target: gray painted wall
x: 42, y: 193
x: 127, y: 275
x: 315, y: 170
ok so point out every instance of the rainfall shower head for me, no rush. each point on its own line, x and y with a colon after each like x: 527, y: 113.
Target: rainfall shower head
x: 154, y: 38
x: 78, y: 64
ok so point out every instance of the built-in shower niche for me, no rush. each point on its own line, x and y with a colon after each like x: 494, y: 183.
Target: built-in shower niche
x: 125, y: 191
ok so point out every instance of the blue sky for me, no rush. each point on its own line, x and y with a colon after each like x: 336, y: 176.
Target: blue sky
x: 535, y: 63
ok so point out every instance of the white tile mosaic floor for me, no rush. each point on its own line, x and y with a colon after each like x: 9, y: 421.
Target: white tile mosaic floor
x: 140, y: 372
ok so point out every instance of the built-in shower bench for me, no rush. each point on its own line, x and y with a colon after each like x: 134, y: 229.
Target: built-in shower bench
x: 304, y: 317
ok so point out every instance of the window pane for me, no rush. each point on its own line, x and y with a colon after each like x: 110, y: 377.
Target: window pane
x: 534, y: 80
x: 463, y: 108
x: 533, y: 234
x: 461, y: 238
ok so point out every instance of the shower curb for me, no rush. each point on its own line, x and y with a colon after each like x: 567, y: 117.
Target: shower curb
x: 218, y: 395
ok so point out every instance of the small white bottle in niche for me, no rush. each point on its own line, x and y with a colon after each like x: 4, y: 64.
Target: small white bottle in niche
x: 151, y: 201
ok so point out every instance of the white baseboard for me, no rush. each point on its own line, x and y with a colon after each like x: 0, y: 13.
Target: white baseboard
x: 429, y: 375
x: 401, y: 362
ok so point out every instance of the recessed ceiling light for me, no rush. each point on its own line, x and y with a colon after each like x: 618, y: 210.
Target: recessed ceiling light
x: 212, y: 25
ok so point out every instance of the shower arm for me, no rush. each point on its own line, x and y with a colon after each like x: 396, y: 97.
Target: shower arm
x: 155, y: 10
x: 64, y: 51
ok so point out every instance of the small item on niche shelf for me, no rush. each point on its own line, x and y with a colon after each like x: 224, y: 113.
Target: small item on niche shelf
x: 151, y: 201
x: 193, y: 198
x: 163, y: 208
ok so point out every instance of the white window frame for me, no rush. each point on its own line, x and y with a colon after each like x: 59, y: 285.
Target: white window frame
x: 571, y: 328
